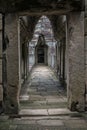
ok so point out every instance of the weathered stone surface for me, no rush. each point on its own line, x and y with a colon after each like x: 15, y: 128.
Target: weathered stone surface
x: 76, y: 68
x: 76, y: 86
x: 0, y: 22
x: 1, y: 89
x: 86, y: 8
x: 74, y: 121
x: 34, y: 112
x: 86, y: 42
x: 1, y: 93
x: 50, y: 122
x: 85, y: 25
x: 59, y: 111
x: 43, y: 89
x: 40, y: 6
x: 11, y: 28
x: 86, y: 46
x: 76, y: 124
x: 0, y: 71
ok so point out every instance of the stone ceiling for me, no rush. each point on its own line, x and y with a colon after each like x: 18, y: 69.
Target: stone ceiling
x: 40, y: 6
x: 34, y: 9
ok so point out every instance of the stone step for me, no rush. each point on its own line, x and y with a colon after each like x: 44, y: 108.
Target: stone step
x: 45, y: 112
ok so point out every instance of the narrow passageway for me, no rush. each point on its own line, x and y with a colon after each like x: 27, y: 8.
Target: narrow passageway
x: 43, y: 65
x: 42, y: 90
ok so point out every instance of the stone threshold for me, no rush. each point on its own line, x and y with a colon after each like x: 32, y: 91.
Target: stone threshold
x: 45, y: 112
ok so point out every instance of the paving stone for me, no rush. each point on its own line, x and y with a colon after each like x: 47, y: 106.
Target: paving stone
x: 46, y: 117
x: 3, y: 118
x: 12, y: 127
x: 76, y: 128
x: 4, y: 125
x: 41, y: 102
x: 23, y: 122
x: 41, y: 89
x: 75, y: 123
x: 34, y: 93
x: 50, y: 122
x: 34, y: 112
x: 39, y: 128
x: 54, y: 100
x: 41, y: 83
x: 59, y: 111
x: 37, y: 98
x: 24, y: 97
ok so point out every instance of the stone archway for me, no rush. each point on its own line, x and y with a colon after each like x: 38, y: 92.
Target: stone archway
x: 75, y: 66
x: 75, y: 53
x: 41, y: 51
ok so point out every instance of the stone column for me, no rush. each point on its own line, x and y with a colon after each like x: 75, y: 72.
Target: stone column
x: 56, y: 60
x: 13, y: 67
x: 76, y: 67
x: 26, y: 59
x: 63, y: 65
x: 60, y: 61
x: 86, y: 41
x: 1, y: 87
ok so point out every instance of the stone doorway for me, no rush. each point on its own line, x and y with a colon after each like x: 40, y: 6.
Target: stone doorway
x: 75, y: 78
x: 40, y: 55
x: 41, y: 51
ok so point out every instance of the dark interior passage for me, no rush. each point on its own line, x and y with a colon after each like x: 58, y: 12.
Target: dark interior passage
x: 40, y: 55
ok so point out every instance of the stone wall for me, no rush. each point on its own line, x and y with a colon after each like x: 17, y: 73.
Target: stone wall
x: 86, y: 41
x: 24, y: 50
x: 75, y: 57
x: 13, y: 51
x: 1, y: 90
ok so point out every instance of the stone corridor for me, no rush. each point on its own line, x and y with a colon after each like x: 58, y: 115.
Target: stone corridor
x: 52, y: 32
x: 43, y: 105
x: 42, y: 91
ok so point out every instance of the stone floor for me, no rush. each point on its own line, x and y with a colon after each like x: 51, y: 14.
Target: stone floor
x: 42, y: 90
x: 43, y: 106
x: 75, y: 121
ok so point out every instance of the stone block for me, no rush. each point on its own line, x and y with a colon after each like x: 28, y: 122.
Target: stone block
x: 76, y: 57
x: 85, y: 25
x: 60, y: 111
x: 86, y: 57
x: 86, y: 42
x: 0, y: 21
x: 1, y: 93
x: 86, y: 8
x: 50, y: 122
x: 0, y: 44
x: 0, y: 75
x: 76, y: 124
x: 0, y: 71
x: 85, y: 3
x: 86, y: 76
x: 34, y: 112
x: 11, y: 29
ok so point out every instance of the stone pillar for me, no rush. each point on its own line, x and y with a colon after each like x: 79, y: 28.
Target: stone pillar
x: 60, y: 50
x: 26, y: 60
x: 56, y: 59
x: 1, y: 87
x: 76, y: 67
x: 13, y: 68
x: 86, y: 42
x: 63, y: 65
